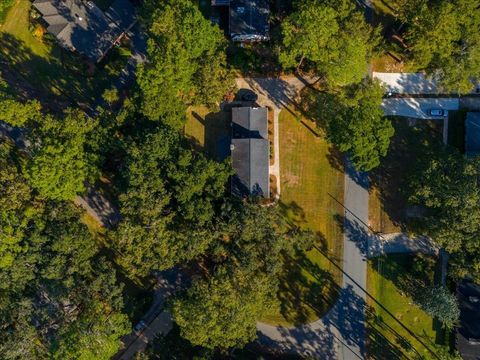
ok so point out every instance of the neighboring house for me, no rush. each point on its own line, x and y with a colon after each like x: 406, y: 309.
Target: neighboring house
x: 80, y: 26
x: 468, y: 331
x: 248, y: 19
x: 472, y: 134
x: 250, y: 152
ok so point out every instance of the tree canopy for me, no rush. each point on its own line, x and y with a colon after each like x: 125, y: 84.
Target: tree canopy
x: 59, y: 163
x: 354, y: 121
x: 171, y: 199
x: 220, y: 310
x: 443, y: 39
x: 187, y: 62
x: 448, y: 188
x: 330, y: 35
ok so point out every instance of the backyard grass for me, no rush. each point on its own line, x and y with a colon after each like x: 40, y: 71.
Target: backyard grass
x: 411, y: 144
x: 311, y: 185
x: 49, y: 69
x: 387, y: 338
x: 208, y: 131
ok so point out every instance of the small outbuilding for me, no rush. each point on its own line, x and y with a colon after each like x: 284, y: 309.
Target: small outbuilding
x: 250, y: 151
x: 472, y: 134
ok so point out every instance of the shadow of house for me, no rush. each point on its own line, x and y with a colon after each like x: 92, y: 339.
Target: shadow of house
x: 85, y: 29
x: 472, y: 134
x: 250, y: 151
x: 248, y: 19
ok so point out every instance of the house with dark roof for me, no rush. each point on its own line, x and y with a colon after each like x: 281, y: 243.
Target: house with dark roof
x: 468, y: 331
x: 82, y: 27
x: 248, y: 19
x: 472, y: 134
x: 250, y: 151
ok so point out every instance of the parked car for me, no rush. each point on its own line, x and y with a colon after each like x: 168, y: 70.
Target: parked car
x: 137, y: 329
x: 437, y: 112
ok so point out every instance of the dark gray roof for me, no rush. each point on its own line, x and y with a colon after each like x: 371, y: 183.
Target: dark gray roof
x: 250, y: 152
x: 83, y: 27
x: 472, y: 133
x: 249, y: 20
x: 250, y: 122
x: 468, y: 332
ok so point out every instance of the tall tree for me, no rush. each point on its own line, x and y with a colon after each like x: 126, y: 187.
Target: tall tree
x: 443, y: 39
x: 187, y: 62
x: 332, y: 36
x: 169, y: 205
x: 354, y: 122
x: 220, y: 310
x: 59, y: 163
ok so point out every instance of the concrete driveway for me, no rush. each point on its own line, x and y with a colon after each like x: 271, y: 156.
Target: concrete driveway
x: 418, y: 107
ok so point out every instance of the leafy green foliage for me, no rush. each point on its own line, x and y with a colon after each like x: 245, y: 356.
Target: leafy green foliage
x: 447, y: 186
x: 187, y: 62
x: 444, y: 39
x: 331, y: 35
x: 169, y: 205
x: 220, y: 310
x: 17, y: 207
x: 440, y: 303
x: 354, y: 122
x: 59, y: 164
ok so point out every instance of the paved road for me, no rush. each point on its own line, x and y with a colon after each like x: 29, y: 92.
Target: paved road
x: 418, y: 107
x: 340, y: 334
x: 157, y: 319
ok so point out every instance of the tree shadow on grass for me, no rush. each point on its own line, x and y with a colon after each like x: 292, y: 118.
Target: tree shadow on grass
x: 411, y: 149
x: 58, y: 80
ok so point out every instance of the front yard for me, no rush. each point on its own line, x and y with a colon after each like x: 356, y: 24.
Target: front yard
x: 390, y: 280
x: 311, y: 193
x: 412, y: 143
x: 50, y: 70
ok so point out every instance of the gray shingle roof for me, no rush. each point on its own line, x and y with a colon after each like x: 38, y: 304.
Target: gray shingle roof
x: 249, y: 20
x: 83, y: 27
x: 250, y: 152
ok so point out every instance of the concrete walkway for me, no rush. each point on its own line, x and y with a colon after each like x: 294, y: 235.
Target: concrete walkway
x: 398, y: 243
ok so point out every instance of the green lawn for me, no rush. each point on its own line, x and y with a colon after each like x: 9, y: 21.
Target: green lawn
x: 207, y: 129
x: 410, y: 148
x: 390, y: 282
x: 49, y: 69
x: 310, y: 187
x: 311, y: 184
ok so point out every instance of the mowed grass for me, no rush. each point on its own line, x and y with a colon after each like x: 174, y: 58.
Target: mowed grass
x: 48, y: 68
x: 387, y: 338
x: 311, y: 194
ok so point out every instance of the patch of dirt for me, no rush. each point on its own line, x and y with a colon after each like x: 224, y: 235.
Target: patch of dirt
x: 291, y: 180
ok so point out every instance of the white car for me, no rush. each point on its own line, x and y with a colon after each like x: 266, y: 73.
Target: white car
x: 437, y: 112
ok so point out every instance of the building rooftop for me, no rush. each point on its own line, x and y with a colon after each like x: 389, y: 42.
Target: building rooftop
x: 472, y: 134
x: 468, y: 332
x: 250, y: 152
x: 249, y: 20
x: 81, y: 26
